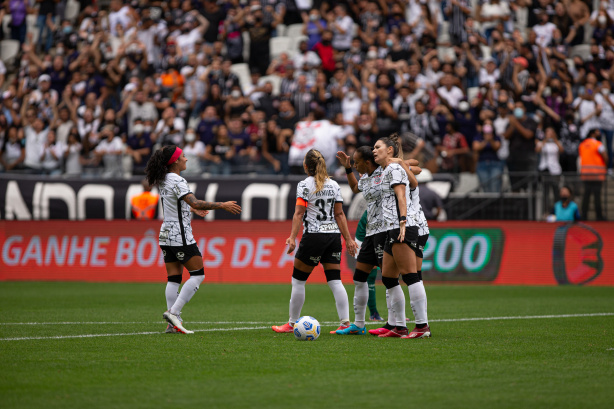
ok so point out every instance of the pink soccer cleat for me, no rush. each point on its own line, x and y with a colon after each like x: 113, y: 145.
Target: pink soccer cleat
x: 424, y: 332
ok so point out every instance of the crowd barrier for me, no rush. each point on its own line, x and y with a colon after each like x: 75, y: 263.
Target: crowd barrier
x: 510, y: 253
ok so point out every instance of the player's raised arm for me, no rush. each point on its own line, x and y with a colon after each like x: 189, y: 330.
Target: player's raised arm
x: 231, y: 207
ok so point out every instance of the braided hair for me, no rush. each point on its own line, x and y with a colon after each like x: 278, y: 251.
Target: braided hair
x: 394, y: 141
x: 316, y: 167
x: 157, y: 168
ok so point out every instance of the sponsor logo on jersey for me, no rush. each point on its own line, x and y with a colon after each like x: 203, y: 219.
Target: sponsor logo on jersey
x: 164, y: 253
x: 379, y: 250
x: 337, y: 256
x: 315, y: 259
x: 328, y: 227
x: 164, y: 235
x: 180, y: 255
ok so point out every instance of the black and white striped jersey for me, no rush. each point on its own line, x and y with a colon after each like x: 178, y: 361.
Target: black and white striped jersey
x: 423, y: 226
x: 371, y: 188
x: 320, y: 214
x: 176, y: 228
x: 392, y: 176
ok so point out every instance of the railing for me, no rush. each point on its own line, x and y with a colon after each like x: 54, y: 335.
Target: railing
x: 531, y: 196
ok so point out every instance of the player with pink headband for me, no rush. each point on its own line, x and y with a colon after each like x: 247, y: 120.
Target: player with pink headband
x: 176, y: 240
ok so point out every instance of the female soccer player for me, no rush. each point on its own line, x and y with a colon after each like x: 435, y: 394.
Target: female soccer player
x: 176, y: 239
x: 401, y: 221
x: 319, y: 207
x: 372, y: 248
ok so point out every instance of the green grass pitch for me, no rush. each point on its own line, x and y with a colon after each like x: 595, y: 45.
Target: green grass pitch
x: 236, y: 361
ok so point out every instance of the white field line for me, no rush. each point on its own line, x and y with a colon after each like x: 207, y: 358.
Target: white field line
x: 523, y: 317
x: 519, y: 317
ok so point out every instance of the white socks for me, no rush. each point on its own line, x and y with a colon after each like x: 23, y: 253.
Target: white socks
x: 187, y: 291
x: 417, y: 300
x: 361, y: 298
x: 172, y: 291
x: 392, y: 318
x: 397, y: 303
x: 341, y: 299
x: 297, y: 299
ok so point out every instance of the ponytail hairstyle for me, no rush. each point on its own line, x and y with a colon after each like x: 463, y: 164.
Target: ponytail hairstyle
x: 366, y: 153
x: 316, y: 167
x: 157, y: 166
x: 394, y: 141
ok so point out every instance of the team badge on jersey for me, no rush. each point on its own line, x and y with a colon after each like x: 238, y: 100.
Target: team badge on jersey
x: 180, y: 255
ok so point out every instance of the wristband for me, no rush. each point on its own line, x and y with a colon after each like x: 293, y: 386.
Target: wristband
x: 402, y: 219
x: 348, y: 170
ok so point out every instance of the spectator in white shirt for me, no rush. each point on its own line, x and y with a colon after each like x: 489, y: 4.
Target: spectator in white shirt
x: 448, y: 93
x: 588, y: 110
x: 489, y: 73
x: 189, y: 34
x: 342, y: 26
x: 120, y: 14
x: 350, y: 106
x: 51, y: 155
x: 36, y: 136
x: 194, y: 150
x: 110, y: 150
x: 544, y: 30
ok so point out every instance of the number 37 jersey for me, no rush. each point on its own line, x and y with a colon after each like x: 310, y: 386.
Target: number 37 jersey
x: 320, y: 214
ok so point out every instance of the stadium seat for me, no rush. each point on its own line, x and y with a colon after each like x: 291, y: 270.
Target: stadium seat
x: 31, y: 28
x: 486, y: 51
x: 274, y: 80
x: 246, y: 43
x: 6, y: 25
x: 472, y: 93
x: 582, y: 50
x: 294, y: 30
x: 444, y: 33
x: 296, y: 42
x: 242, y: 71
x: 72, y: 10
x: 279, y: 45
x: 281, y: 30
x: 9, y: 50
x: 446, y: 54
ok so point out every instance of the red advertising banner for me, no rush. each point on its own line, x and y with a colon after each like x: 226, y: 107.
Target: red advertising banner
x: 514, y: 253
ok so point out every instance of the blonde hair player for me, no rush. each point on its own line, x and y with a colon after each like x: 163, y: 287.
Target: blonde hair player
x: 319, y: 208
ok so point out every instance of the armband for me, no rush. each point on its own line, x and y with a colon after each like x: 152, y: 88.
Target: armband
x: 402, y: 219
x: 348, y: 170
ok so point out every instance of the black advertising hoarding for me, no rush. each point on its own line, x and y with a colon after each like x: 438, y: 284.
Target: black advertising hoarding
x: 36, y: 198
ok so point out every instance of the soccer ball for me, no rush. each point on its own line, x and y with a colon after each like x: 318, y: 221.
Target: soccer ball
x: 307, y: 329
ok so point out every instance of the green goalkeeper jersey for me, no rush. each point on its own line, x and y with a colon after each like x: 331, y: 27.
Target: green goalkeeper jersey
x: 361, y: 230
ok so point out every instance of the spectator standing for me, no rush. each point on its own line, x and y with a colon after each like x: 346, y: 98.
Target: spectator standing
x: 606, y: 100
x: 489, y: 167
x: 593, y: 159
x: 110, y: 150
x: 313, y: 27
x: 549, y: 164
x: 13, y: 152
x: 220, y: 153
x: 72, y: 154
x: 521, y: 135
x: 144, y: 206
x: 342, y: 27
x: 35, y: 136
x: 588, y: 110
x: 51, y: 155
x: 457, y: 12
x: 18, y: 9
x: 194, y: 151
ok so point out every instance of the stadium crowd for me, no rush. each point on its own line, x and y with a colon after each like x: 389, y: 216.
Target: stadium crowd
x: 473, y: 85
